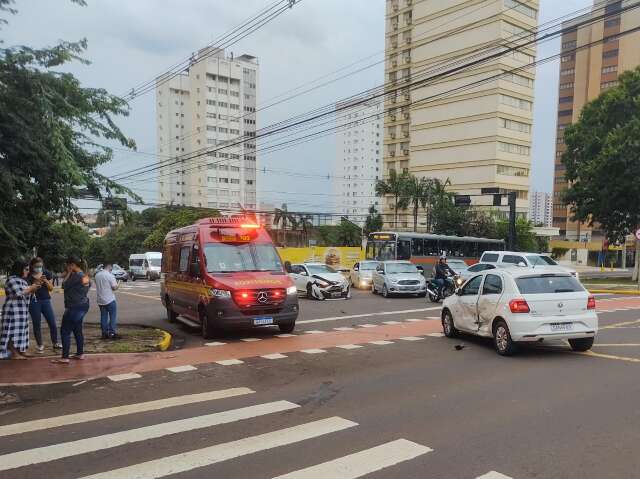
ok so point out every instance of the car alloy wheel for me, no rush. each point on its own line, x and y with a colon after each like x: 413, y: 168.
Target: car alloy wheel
x: 502, y: 338
x: 448, y: 326
x: 385, y: 291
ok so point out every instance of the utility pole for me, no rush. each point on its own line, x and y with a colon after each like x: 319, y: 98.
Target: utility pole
x: 513, y: 235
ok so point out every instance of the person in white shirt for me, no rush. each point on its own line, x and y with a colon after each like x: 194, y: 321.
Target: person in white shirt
x: 106, y: 284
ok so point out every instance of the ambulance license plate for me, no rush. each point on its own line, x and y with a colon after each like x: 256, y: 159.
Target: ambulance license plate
x: 262, y: 321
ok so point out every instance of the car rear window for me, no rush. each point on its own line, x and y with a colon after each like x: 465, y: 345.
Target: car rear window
x: 489, y: 258
x: 548, y: 284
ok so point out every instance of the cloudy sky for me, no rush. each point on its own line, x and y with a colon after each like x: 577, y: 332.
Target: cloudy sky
x: 130, y: 42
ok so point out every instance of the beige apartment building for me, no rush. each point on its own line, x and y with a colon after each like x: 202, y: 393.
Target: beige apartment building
x: 473, y: 127
x: 584, y: 74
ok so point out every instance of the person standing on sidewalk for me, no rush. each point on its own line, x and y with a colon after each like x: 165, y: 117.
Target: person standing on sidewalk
x: 106, y: 284
x: 14, y: 330
x: 40, y: 304
x: 76, y: 285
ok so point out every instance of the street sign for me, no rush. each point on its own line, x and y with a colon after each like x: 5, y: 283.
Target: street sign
x: 638, y: 235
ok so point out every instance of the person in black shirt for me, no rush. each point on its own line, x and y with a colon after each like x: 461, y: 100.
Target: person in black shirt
x: 40, y: 304
x: 76, y: 304
x: 443, y: 271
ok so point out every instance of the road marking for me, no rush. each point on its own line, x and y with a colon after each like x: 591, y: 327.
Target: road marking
x: 617, y: 325
x: 229, y: 362
x: 610, y: 356
x: 100, y: 443
x: 222, y: 452
x: 412, y: 338
x: 368, y: 325
x: 349, y: 346
x: 286, y: 335
x: 391, y: 322
x: 314, y: 331
x: 182, y: 369
x: 493, y: 475
x: 344, y: 329
x: 124, y: 377
x: 413, y: 320
x: 367, y: 315
x: 604, y: 345
x: 250, y: 340
x: 99, y: 414
x: 215, y: 343
x: 362, y: 463
x: 313, y: 351
x: 274, y: 356
x: 380, y: 343
x: 140, y: 295
x: 436, y: 335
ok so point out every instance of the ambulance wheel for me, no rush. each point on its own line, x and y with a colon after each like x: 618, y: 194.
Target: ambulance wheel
x: 287, y: 328
x: 209, y: 330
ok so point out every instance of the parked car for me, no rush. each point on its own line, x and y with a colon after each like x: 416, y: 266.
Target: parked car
x: 476, y: 268
x: 457, y: 265
x: 117, y: 271
x: 533, y: 260
x: 319, y: 281
x: 513, y: 305
x: 398, y: 277
x: 361, y: 274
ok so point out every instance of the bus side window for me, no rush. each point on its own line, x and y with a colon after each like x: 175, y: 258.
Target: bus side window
x: 470, y: 249
x: 431, y: 247
x: 417, y: 247
x: 404, y: 249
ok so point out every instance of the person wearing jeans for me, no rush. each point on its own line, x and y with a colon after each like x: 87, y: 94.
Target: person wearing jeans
x: 106, y: 284
x: 76, y: 304
x: 40, y: 304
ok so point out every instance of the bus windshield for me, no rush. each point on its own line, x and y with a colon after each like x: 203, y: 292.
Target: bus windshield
x: 381, y: 250
x: 232, y: 258
x: 154, y: 262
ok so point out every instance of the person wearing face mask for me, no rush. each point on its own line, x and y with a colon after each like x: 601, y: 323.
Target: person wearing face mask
x: 40, y: 304
x: 14, y: 327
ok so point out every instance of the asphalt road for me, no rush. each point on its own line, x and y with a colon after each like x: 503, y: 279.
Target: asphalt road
x: 405, y: 409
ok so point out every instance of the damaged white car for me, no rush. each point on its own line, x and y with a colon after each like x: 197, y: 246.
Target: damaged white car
x: 319, y: 281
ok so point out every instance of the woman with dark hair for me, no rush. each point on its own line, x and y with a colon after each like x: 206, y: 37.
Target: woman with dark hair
x: 76, y: 285
x: 40, y: 304
x: 14, y: 333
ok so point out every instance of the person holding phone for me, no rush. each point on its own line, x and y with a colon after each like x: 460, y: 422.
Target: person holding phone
x: 76, y: 285
x: 40, y: 304
x: 14, y: 331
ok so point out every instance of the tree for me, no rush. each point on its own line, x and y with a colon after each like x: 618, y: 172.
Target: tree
x: 526, y: 238
x: 178, y: 218
x: 374, y: 221
x: 395, y: 186
x: 50, y: 127
x: 417, y: 192
x: 61, y: 241
x: 602, y: 160
x: 282, y: 217
x: 306, y: 225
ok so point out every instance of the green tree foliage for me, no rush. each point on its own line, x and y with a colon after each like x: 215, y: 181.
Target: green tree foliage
x: 374, y: 221
x: 526, y: 238
x: 396, y: 187
x: 50, y: 127
x: 603, y: 159
x: 61, y: 241
x: 172, y: 220
x: 344, y: 234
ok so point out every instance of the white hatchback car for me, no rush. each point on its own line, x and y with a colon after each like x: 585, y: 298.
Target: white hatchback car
x: 518, y: 304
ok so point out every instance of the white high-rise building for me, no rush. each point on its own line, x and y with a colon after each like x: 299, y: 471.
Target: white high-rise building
x: 359, y: 159
x: 211, y: 104
x: 541, y: 208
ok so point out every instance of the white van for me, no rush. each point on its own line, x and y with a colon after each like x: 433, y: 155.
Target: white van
x: 146, y: 265
x: 531, y: 260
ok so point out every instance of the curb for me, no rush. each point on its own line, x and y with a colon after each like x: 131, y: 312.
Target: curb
x: 633, y: 292
x: 165, y: 342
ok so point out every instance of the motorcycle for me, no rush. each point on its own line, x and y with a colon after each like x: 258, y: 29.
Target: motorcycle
x: 437, y: 293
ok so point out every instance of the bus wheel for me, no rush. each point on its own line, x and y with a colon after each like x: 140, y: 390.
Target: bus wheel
x: 209, y: 331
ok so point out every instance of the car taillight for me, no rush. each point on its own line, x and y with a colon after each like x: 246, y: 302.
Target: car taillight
x: 591, y: 302
x: 518, y: 306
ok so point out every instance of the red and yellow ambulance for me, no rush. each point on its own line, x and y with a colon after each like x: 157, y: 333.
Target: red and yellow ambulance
x: 225, y: 273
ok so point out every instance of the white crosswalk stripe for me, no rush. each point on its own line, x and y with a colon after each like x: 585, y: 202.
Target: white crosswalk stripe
x: 493, y: 475
x: 363, y: 462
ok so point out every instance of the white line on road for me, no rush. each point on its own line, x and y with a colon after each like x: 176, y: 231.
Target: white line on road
x: 124, y: 377
x: 182, y: 369
x: 368, y: 325
x: 274, y: 356
x: 362, y: 463
x: 344, y: 329
x: 411, y: 338
x: 100, y: 443
x: 391, y: 322
x: 313, y: 351
x: 381, y: 343
x: 349, y: 346
x: 493, y: 475
x: 367, y: 315
x: 222, y: 452
x: 250, y: 340
x: 314, y: 331
x: 99, y: 414
x: 286, y: 335
x: 229, y: 362
x: 215, y: 343
x: 413, y: 320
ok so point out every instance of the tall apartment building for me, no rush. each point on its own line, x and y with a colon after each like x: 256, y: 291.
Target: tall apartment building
x: 478, y: 137
x: 199, y: 111
x: 359, y: 158
x: 584, y: 74
x: 540, y: 208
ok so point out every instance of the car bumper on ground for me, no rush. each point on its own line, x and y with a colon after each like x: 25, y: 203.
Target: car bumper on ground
x: 228, y: 315
x: 555, y: 328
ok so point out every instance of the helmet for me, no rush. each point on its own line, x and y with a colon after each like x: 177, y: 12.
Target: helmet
x: 443, y: 257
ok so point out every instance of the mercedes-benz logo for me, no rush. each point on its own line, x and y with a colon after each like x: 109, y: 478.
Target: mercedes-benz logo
x: 262, y: 297
x: 560, y: 305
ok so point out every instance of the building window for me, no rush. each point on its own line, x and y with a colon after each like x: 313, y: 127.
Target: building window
x: 568, y: 58
x: 515, y: 125
x: 566, y: 86
x: 513, y: 148
x: 512, y: 171
x: 565, y: 113
x: 566, y: 99
x: 518, y: 79
x: 516, y: 102
x: 610, y: 54
x: 569, y: 71
x: 521, y: 7
x: 569, y: 45
x: 612, y: 22
x: 610, y: 69
x: 608, y: 84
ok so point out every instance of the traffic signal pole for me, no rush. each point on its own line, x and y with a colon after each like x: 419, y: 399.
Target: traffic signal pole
x: 513, y: 235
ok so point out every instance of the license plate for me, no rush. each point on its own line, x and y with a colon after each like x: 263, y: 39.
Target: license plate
x: 336, y: 295
x: 561, y: 326
x: 262, y: 321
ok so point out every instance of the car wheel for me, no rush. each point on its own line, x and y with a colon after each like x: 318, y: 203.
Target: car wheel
x: 581, y: 344
x: 373, y: 288
x: 448, y: 326
x: 385, y: 291
x: 502, y: 339
x: 172, y: 317
x: 209, y: 331
x: 287, y: 327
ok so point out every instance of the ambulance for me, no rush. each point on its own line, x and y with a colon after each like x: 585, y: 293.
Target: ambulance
x: 225, y: 273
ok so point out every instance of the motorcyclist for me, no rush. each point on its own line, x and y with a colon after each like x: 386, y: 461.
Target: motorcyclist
x: 443, y: 271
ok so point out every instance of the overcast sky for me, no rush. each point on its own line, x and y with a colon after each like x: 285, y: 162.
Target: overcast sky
x: 131, y: 41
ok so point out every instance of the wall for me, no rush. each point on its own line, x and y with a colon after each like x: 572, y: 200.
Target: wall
x: 333, y: 256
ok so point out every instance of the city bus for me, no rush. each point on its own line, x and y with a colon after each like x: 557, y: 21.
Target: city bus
x: 425, y: 249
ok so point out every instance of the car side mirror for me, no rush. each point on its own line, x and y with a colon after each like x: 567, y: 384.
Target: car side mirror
x: 522, y: 265
x: 287, y: 266
x: 303, y: 273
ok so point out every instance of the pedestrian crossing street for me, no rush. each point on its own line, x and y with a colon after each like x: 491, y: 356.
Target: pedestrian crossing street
x: 358, y: 461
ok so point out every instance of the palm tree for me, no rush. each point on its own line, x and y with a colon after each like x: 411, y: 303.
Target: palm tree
x: 435, y: 196
x: 417, y: 190
x: 306, y: 225
x: 282, y: 217
x: 394, y: 186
